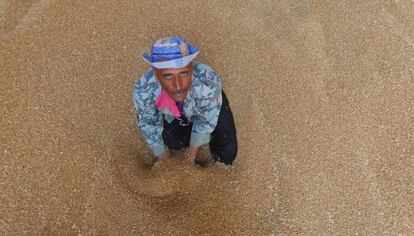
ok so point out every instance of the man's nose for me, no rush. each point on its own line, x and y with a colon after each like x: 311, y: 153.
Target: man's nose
x: 177, y: 82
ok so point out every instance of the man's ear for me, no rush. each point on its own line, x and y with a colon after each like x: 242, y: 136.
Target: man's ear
x: 156, y: 72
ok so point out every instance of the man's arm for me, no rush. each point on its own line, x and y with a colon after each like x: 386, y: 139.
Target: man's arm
x: 149, y: 120
x: 209, y: 100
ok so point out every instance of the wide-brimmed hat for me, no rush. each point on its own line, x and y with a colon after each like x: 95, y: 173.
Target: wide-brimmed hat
x: 171, y: 52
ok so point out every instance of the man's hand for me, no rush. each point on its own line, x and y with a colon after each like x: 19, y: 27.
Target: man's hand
x: 162, y: 156
x: 192, y: 154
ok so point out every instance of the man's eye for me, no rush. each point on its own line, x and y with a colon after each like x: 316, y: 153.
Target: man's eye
x: 168, y: 76
x: 183, y: 74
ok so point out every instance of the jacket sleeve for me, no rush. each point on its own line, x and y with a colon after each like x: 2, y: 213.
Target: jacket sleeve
x: 209, y: 100
x: 149, y: 119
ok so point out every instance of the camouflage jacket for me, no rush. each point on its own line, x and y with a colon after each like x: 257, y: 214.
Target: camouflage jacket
x: 202, y: 107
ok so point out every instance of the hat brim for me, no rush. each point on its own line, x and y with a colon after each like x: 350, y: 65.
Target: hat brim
x: 174, y: 64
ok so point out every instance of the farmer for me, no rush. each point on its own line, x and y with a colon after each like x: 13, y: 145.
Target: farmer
x: 180, y: 104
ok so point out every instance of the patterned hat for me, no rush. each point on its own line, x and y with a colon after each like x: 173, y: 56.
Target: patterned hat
x: 171, y: 52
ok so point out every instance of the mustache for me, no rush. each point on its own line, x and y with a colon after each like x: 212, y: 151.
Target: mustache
x: 178, y: 91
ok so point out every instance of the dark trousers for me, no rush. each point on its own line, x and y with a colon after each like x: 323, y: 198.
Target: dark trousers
x: 223, y: 143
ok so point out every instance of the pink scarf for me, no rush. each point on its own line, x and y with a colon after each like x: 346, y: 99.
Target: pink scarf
x: 165, y: 101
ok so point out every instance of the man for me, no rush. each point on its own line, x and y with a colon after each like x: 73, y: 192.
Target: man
x: 180, y: 104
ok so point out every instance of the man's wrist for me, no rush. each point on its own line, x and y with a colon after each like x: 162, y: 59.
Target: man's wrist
x: 192, y: 153
x: 162, y: 156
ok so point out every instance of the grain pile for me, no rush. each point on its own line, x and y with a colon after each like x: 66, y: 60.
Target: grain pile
x: 322, y: 93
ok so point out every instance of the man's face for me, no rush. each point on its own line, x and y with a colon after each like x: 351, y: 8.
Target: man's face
x: 176, y: 82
